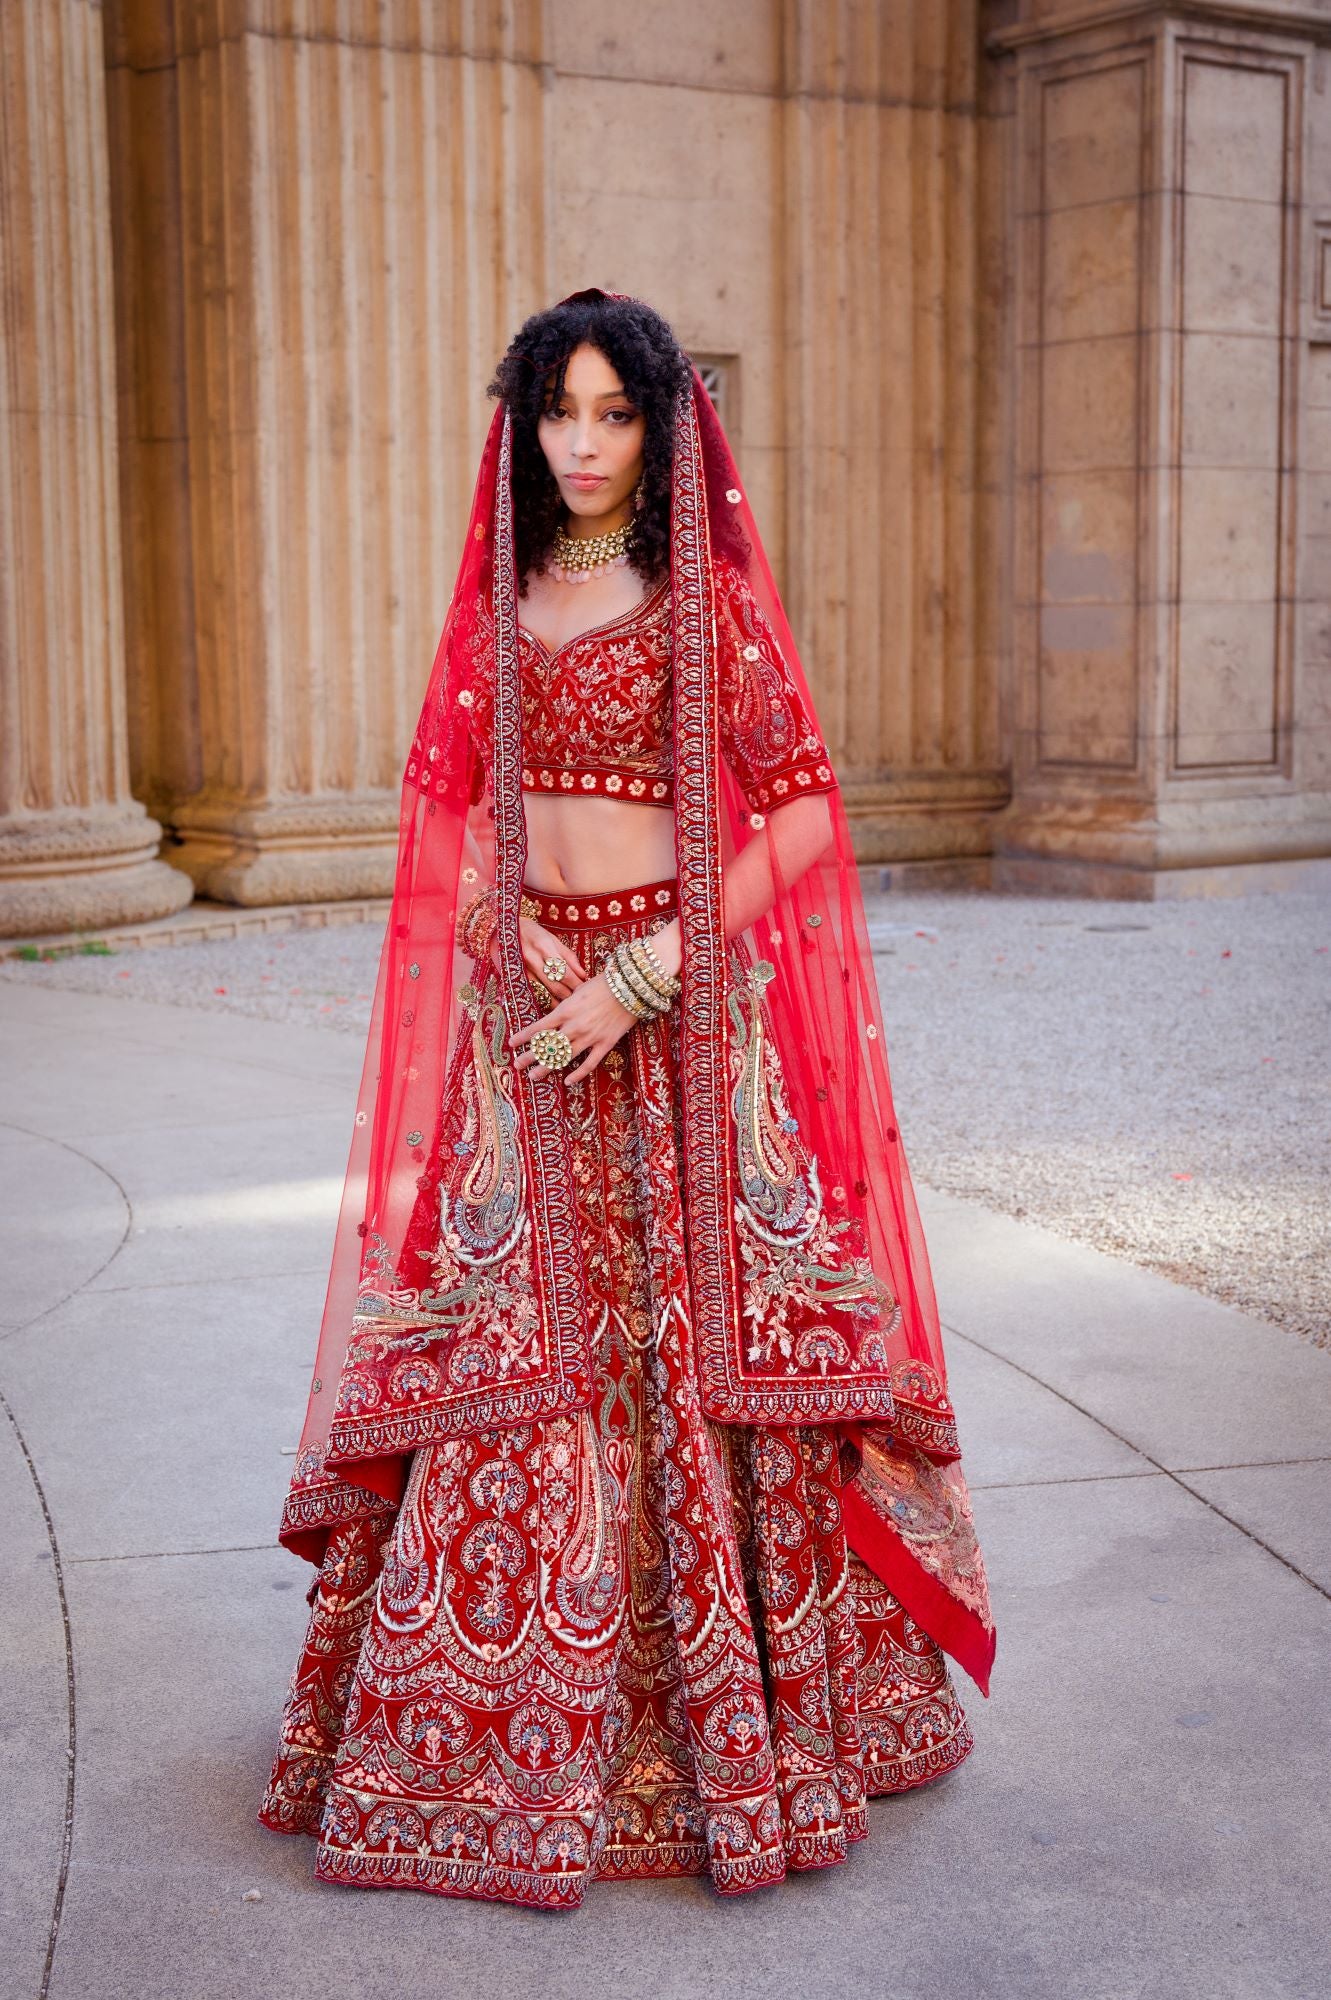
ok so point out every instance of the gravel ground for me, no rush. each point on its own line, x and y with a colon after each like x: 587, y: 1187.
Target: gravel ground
x: 1150, y: 1079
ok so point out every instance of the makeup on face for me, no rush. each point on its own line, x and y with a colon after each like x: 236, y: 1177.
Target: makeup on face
x: 592, y: 439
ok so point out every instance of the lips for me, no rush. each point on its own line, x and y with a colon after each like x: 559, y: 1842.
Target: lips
x: 585, y: 481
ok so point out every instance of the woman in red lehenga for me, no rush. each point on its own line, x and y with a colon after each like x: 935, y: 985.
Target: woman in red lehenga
x: 629, y: 1466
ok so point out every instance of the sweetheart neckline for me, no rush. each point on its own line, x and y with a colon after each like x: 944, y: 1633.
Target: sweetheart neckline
x: 595, y: 631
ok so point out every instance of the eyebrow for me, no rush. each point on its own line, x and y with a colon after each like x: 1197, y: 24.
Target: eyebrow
x: 606, y: 395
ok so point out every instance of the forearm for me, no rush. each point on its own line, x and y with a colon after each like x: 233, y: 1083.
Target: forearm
x: 797, y: 834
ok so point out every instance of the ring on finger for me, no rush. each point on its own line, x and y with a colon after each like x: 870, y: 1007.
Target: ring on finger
x: 552, y: 1048
x: 554, y: 968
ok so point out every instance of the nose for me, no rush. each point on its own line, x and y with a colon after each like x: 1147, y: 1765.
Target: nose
x: 584, y: 440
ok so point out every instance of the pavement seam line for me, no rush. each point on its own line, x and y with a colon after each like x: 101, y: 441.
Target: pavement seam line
x: 1096, y: 1478
x: 1080, y: 1408
x: 1257, y: 1464
x: 156, y: 1555
x: 67, y: 1835
x: 1071, y: 1479
x: 64, y: 1146
x: 253, y: 1278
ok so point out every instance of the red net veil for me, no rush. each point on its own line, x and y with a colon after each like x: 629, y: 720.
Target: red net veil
x: 796, y: 1187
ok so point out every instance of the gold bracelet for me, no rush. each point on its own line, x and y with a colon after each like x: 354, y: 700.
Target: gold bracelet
x: 651, y: 968
x: 629, y: 969
x: 622, y: 992
x: 672, y: 979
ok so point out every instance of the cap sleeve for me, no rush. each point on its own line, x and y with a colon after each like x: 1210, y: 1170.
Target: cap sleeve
x: 769, y: 734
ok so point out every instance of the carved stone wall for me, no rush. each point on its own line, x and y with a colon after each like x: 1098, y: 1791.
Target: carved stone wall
x: 1170, y: 696
x: 351, y: 209
x: 1023, y: 312
x: 75, y: 847
x: 801, y: 186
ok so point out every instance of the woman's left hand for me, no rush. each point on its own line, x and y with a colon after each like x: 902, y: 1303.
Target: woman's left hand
x: 592, y: 1019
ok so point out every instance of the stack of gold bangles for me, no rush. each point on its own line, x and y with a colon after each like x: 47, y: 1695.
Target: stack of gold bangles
x: 633, y: 972
x: 638, y: 980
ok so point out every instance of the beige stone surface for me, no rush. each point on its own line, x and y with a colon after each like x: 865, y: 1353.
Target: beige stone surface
x: 1089, y: 408
x: 1227, y: 690
x: 1233, y: 136
x: 1229, y: 528
x: 1232, y: 266
x: 1088, y: 537
x: 1166, y: 714
x: 1231, y: 393
x: 1091, y: 270
x: 75, y: 846
x: 1024, y: 376
x: 1087, y: 143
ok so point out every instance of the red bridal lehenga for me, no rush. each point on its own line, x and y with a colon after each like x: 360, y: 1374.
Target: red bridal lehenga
x: 629, y: 1469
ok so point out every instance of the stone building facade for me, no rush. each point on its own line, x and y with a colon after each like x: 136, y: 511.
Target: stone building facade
x: 1020, y: 316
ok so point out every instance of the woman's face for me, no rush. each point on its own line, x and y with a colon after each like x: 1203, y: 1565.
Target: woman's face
x: 592, y: 439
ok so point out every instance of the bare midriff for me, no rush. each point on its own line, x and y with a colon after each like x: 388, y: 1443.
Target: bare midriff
x: 596, y: 843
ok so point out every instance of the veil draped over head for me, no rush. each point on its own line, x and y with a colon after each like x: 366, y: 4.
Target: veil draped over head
x: 806, y: 1203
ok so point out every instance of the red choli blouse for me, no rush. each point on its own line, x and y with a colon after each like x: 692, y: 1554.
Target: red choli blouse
x: 596, y: 712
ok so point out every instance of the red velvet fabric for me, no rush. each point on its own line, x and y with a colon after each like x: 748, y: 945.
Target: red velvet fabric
x: 626, y: 1641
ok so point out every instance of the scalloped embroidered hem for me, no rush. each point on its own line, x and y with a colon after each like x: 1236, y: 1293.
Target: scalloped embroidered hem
x: 631, y: 1860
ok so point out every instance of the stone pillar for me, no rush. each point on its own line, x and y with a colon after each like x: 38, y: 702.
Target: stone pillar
x: 76, y: 850
x: 889, y: 413
x: 352, y: 215
x: 1170, y: 696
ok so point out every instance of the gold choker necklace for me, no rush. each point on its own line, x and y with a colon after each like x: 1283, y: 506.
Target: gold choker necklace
x: 576, y: 559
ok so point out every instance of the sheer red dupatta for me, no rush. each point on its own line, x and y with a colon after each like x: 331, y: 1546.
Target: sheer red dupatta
x: 413, y: 1030
x: 904, y: 1497
x: 402, y: 1362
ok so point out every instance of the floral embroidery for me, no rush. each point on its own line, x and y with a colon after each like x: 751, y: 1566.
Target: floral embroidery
x: 508, y: 1689
x: 597, y: 714
x: 768, y: 735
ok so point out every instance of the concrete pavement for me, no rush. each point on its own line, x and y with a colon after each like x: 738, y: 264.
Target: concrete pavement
x: 1145, y: 1815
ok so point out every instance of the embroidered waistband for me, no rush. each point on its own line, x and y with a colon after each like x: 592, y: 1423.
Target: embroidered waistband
x: 585, y: 909
x: 596, y: 781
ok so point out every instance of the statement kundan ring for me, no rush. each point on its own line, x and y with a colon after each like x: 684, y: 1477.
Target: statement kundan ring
x: 553, y: 968
x: 553, y: 1048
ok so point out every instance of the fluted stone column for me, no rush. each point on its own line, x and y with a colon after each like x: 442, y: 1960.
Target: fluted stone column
x: 1170, y: 657
x: 890, y: 413
x: 76, y: 850
x: 807, y: 189
x: 352, y: 205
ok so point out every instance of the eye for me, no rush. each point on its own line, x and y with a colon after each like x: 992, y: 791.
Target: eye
x: 621, y: 416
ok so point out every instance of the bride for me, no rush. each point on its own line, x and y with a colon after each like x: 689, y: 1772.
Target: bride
x: 629, y: 1467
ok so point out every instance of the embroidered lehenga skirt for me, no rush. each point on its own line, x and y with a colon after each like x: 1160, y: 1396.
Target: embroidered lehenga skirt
x: 629, y: 1642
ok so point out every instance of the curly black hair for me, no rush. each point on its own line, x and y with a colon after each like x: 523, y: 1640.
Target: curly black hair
x: 654, y: 369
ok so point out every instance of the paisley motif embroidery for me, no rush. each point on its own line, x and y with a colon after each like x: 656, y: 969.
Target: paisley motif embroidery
x: 811, y: 1298
x: 441, y: 1355
x: 770, y: 740
x: 480, y: 1290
